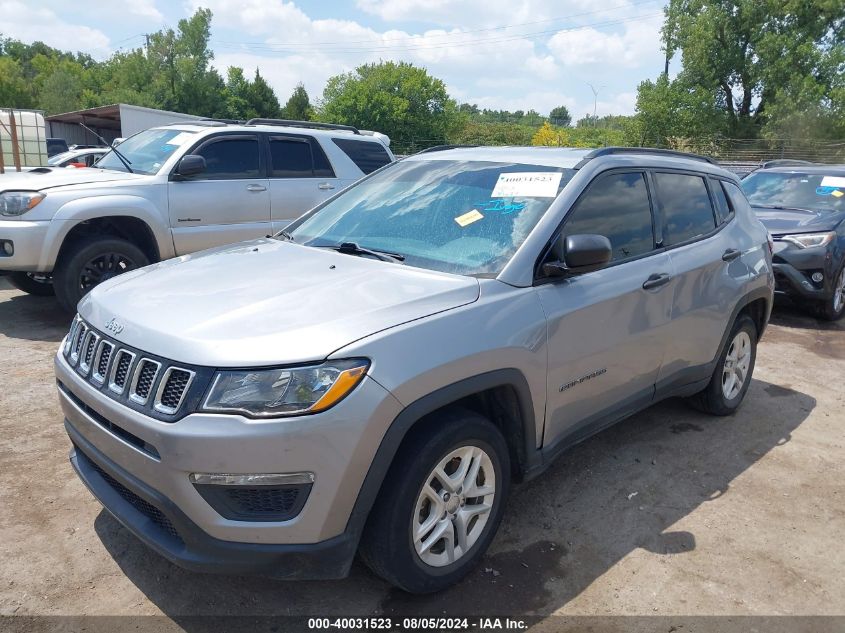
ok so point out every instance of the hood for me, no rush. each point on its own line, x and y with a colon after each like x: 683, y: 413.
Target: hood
x: 50, y: 177
x: 781, y: 221
x: 267, y: 302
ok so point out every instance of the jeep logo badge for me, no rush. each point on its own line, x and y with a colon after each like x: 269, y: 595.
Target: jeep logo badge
x: 114, y: 326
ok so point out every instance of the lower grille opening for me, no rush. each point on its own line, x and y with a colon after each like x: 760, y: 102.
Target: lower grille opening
x: 256, y: 503
x: 144, y: 507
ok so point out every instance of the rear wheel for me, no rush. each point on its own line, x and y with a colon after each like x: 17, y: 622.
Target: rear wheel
x: 39, y: 284
x: 440, y: 504
x: 833, y: 308
x: 91, y: 261
x: 732, y: 375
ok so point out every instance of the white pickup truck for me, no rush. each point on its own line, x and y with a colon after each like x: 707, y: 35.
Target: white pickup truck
x: 170, y: 191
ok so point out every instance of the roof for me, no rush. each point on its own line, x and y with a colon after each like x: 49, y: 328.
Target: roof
x: 108, y: 115
x: 824, y: 170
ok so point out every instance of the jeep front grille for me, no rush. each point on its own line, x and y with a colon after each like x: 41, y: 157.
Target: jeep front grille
x: 159, y: 387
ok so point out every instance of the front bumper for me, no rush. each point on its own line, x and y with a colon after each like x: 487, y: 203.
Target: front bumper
x: 163, y: 527
x: 152, y: 459
x: 793, y: 267
x: 28, y: 239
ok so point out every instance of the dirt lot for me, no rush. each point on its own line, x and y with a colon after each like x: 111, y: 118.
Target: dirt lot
x: 671, y: 512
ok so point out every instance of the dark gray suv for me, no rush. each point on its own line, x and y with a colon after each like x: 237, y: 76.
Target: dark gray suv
x: 374, y: 377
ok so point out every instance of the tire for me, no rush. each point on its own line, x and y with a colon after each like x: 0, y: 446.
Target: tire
x: 833, y: 308
x: 722, y: 396
x: 32, y: 284
x: 405, y: 502
x: 91, y: 261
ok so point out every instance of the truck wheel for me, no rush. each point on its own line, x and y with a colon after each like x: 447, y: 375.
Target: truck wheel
x: 440, y: 504
x: 733, y: 371
x: 833, y: 308
x: 33, y: 283
x: 90, y: 262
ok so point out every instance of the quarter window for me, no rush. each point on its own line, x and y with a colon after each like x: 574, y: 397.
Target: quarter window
x: 737, y: 197
x: 367, y: 155
x: 687, y: 212
x: 616, y: 206
x: 230, y: 159
x: 723, y: 208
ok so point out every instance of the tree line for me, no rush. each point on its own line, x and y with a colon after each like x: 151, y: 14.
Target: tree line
x: 750, y: 69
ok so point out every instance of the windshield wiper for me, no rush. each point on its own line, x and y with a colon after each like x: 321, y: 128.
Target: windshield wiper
x: 126, y: 162
x: 780, y: 207
x: 284, y: 235
x: 351, y: 248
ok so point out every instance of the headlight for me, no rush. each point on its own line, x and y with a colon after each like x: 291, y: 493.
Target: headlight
x: 18, y: 202
x: 808, y: 240
x: 285, y: 391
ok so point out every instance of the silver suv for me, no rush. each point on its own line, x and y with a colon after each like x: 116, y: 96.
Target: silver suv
x: 375, y: 377
x: 169, y: 191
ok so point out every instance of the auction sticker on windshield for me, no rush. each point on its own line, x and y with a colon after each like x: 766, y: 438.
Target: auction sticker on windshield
x: 469, y: 218
x: 531, y: 184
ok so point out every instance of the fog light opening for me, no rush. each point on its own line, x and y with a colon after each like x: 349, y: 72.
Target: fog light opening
x: 8, y: 248
x: 817, y: 277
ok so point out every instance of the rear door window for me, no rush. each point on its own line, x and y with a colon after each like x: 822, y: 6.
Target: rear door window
x: 298, y: 157
x: 616, y: 206
x: 685, y: 203
x: 367, y: 155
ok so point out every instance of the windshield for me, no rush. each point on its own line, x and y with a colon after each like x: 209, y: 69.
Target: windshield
x: 147, y: 151
x: 461, y: 217
x: 816, y: 192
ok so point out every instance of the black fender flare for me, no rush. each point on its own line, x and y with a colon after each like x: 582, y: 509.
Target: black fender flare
x: 429, y: 403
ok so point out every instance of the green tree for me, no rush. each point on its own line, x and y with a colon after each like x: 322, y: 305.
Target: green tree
x: 398, y: 99
x: 750, y: 56
x: 238, y: 104
x: 60, y: 92
x: 262, y: 98
x: 14, y: 89
x: 298, y: 107
x: 560, y: 116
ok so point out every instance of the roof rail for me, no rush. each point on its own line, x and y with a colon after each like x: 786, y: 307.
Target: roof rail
x: 442, y: 148
x: 308, y: 124
x: 608, y: 151
x: 202, y: 122
x: 784, y: 162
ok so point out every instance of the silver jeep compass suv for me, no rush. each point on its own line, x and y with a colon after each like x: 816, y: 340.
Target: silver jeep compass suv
x: 375, y: 377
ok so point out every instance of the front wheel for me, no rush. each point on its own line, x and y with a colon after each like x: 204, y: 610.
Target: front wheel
x: 38, y: 284
x: 732, y: 375
x: 440, y: 504
x: 91, y: 261
x: 833, y: 308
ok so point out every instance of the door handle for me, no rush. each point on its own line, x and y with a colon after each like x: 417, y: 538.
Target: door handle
x: 731, y: 254
x: 656, y: 280
x: 325, y: 186
x: 256, y: 188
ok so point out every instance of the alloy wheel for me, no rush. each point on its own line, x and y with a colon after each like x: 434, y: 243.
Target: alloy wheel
x: 104, y: 267
x: 453, y: 506
x: 735, y: 369
x: 839, y: 292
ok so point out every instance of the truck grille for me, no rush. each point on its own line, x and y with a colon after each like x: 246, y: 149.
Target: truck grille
x: 155, y: 385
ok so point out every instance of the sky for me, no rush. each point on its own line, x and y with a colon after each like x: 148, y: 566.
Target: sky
x: 498, y: 54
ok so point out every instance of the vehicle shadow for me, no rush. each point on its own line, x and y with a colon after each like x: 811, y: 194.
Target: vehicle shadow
x: 618, y: 491
x: 24, y: 316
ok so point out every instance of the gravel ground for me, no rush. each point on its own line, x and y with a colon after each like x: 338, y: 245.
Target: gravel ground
x: 671, y: 512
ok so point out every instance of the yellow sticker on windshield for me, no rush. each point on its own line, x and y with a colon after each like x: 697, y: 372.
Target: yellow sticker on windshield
x: 469, y: 218
x: 837, y: 193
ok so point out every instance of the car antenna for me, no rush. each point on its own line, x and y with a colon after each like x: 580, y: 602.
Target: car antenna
x: 126, y: 162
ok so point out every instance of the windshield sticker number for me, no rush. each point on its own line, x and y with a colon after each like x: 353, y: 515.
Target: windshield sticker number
x: 532, y: 184
x: 833, y: 181
x: 468, y: 218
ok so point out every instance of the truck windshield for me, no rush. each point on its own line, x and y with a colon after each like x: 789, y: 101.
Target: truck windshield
x: 816, y: 192
x: 146, y: 151
x: 463, y: 217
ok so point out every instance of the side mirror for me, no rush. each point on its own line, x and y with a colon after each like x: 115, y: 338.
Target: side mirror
x: 190, y: 165
x: 577, y: 254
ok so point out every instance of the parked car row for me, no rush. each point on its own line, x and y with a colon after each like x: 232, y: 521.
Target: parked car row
x: 372, y: 375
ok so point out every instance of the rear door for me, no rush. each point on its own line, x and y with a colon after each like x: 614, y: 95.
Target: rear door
x: 228, y: 202
x: 710, y: 274
x: 300, y: 176
x: 607, y: 329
